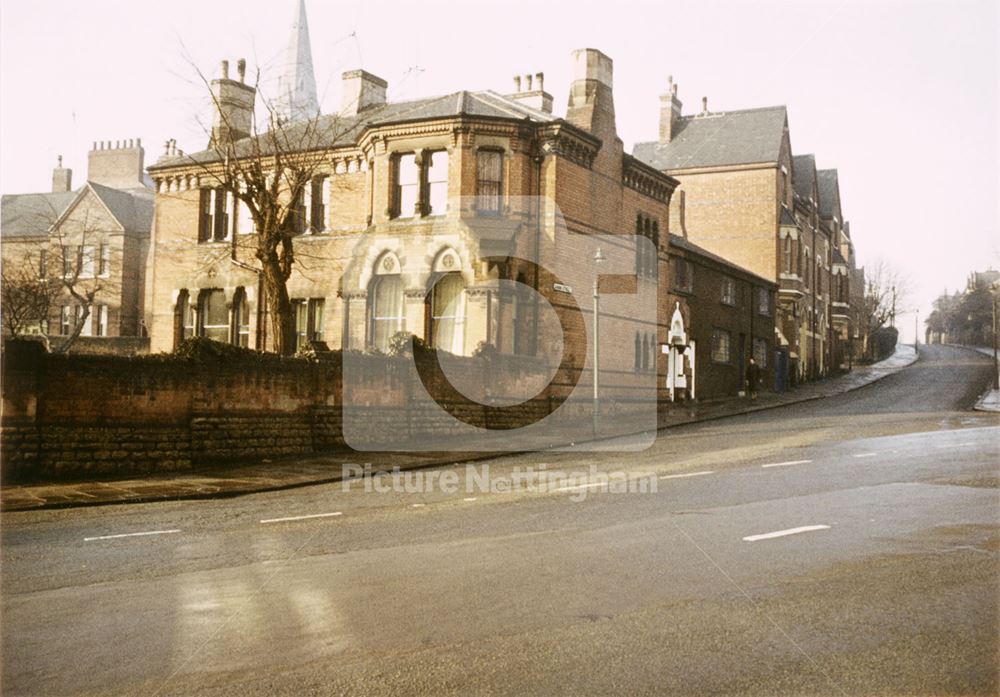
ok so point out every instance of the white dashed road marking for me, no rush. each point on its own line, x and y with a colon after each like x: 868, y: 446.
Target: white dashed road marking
x: 130, y: 534
x: 687, y: 474
x: 865, y: 454
x: 787, y: 464
x: 301, y: 517
x: 783, y: 533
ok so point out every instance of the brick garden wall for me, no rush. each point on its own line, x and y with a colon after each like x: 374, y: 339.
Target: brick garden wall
x: 73, y: 416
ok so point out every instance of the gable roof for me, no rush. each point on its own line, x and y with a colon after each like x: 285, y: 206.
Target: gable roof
x: 338, y: 131
x: 31, y: 215
x: 133, y: 209
x: 803, y: 175
x: 747, y: 136
x: 829, y: 192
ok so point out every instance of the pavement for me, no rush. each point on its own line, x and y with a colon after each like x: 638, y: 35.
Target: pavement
x: 274, y: 475
x: 990, y: 401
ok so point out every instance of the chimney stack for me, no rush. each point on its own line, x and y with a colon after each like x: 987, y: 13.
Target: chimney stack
x: 361, y: 90
x: 234, y: 102
x: 534, y: 94
x: 591, y: 100
x: 118, y: 165
x: 62, y: 178
x: 670, y: 112
x: 704, y: 106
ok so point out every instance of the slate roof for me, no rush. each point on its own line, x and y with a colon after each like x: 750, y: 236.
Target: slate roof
x: 132, y: 208
x: 685, y: 244
x: 838, y: 258
x: 30, y: 215
x: 803, y: 174
x: 336, y: 131
x: 747, y: 136
x: 829, y: 192
x: 787, y: 218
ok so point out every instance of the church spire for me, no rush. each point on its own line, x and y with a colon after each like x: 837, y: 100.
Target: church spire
x: 296, y: 98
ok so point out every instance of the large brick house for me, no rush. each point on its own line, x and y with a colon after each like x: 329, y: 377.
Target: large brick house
x: 419, y: 219
x: 97, y: 234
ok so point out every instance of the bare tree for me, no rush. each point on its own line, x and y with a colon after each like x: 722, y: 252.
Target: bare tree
x: 268, y: 170
x: 27, y: 297
x: 886, y: 292
x: 78, y: 276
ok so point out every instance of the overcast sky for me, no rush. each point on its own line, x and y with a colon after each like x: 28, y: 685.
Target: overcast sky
x: 900, y: 97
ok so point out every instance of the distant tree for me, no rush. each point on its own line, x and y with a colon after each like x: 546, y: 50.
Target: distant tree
x: 886, y: 292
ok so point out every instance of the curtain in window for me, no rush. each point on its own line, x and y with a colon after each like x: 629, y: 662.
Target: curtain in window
x: 386, y: 311
x: 448, y: 313
x: 214, y: 315
x: 489, y: 166
x: 241, y: 317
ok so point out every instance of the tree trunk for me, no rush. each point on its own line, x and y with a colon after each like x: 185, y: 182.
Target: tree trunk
x: 280, y: 309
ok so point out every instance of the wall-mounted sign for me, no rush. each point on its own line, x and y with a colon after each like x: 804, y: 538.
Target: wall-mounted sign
x: 562, y: 288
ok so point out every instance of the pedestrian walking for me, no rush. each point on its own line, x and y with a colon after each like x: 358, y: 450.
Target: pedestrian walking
x: 753, y: 377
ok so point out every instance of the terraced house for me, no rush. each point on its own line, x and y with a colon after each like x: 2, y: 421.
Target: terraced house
x: 746, y: 198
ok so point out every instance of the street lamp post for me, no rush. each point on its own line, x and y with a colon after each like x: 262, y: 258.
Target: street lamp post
x: 599, y: 259
x: 996, y: 365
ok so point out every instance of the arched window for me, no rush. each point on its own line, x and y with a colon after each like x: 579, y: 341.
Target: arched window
x: 183, y: 318
x: 241, y: 319
x: 447, y: 313
x: 386, y: 310
x: 213, y: 315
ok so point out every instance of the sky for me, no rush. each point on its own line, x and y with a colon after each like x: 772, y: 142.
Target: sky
x: 902, y: 97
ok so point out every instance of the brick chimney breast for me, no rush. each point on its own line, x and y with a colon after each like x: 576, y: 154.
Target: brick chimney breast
x: 234, y: 103
x: 62, y: 178
x: 670, y: 112
x: 361, y: 90
x: 118, y: 165
x: 591, y: 101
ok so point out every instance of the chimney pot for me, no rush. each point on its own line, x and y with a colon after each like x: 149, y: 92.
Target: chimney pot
x: 517, y: 83
x: 225, y: 70
x: 93, y: 145
x: 527, y: 80
x: 540, y: 78
x: 241, y: 69
x: 704, y: 105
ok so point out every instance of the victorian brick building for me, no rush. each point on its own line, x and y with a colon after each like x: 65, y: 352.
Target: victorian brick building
x: 97, y: 236
x: 459, y: 219
x: 451, y: 218
x: 746, y: 198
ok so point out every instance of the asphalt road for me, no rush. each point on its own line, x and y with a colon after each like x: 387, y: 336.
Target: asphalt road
x: 847, y: 546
